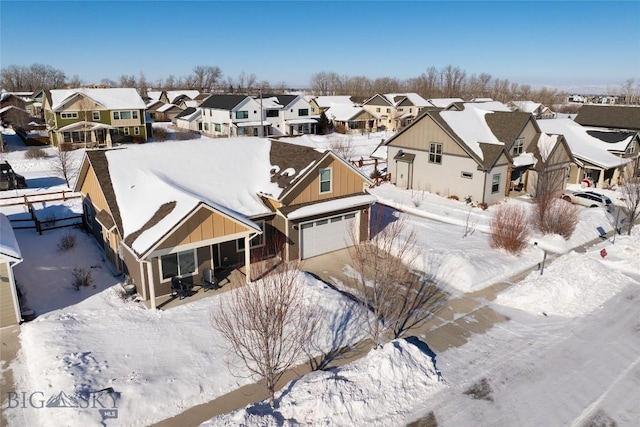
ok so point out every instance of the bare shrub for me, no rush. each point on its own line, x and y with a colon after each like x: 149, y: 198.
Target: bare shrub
x: 343, y: 147
x: 395, y: 297
x: 64, y: 165
x: 50, y: 220
x: 268, y: 324
x: 509, y: 228
x: 454, y: 197
x: 81, y: 277
x: 556, y: 216
x: 428, y: 420
x: 340, y: 128
x: 160, y: 134
x: 183, y: 136
x: 480, y: 390
x: 35, y: 153
x: 67, y: 242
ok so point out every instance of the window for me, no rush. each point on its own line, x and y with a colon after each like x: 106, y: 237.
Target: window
x: 134, y: 114
x: 435, y: 153
x: 377, y: 109
x: 68, y: 115
x: 116, y: 115
x: 242, y: 114
x: 125, y: 115
x: 273, y: 113
x: 136, y: 130
x: 216, y: 127
x: 388, y: 110
x: 495, y: 183
x: 180, y: 264
x: 256, y: 242
x: 325, y: 180
x: 467, y: 175
x: 518, y: 146
x: 303, y: 112
x: 411, y: 110
x: 96, y: 115
x: 630, y: 149
x: 125, y: 131
x: 206, y: 126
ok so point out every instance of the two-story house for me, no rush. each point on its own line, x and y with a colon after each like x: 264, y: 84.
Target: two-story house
x: 467, y: 151
x: 289, y: 114
x: 234, y: 115
x: 88, y: 117
x: 394, y: 111
x: 174, y: 209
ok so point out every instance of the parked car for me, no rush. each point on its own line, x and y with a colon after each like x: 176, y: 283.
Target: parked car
x: 589, y: 199
x: 10, y: 180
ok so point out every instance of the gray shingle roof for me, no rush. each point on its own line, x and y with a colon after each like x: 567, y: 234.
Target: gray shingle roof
x: 609, y: 116
x: 223, y: 102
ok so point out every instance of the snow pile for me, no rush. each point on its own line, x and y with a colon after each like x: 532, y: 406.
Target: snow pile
x: 372, y: 390
x: 573, y: 285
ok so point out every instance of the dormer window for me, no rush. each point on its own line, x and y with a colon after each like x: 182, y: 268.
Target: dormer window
x: 518, y: 147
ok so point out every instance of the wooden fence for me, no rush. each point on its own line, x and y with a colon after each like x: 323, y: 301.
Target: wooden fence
x: 41, y: 224
x: 26, y: 199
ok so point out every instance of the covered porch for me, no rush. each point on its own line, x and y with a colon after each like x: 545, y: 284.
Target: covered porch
x: 88, y: 134
x: 301, y: 126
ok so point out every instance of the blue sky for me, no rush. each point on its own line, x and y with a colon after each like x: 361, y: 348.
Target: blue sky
x: 542, y: 43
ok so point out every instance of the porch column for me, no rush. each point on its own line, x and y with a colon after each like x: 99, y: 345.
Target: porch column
x: 152, y: 286
x: 247, y: 258
x: 108, y: 139
x: 601, y: 179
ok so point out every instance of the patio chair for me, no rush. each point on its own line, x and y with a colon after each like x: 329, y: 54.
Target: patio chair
x: 209, y: 280
x: 177, y: 288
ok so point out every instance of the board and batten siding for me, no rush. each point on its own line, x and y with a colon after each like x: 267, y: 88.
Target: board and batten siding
x: 344, y: 181
x: 421, y: 134
x: 528, y: 133
x: 202, y: 225
x: 91, y: 189
x: 7, y: 309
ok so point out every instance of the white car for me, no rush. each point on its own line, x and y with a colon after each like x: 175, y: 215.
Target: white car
x: 589, y: 199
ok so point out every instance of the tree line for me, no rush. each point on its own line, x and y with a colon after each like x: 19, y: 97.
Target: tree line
x: 446, y: 82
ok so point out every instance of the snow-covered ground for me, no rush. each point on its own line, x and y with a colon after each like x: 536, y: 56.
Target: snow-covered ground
x: 577, y: 361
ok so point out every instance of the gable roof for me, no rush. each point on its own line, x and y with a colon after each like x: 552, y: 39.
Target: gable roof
x: 443, y: 102
x: 583, y: 146
x: 469, y: 129
x: 343, y: 112
x: 507, y: 126
x: 412, y: 98
x: 283, y: 100
x: 609, y: 116
x: 173, y: 95
x: 109, y: 98
x: 150, y: 188
x: 223, y: 102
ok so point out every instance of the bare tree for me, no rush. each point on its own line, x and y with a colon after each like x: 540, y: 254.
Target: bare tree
x: 631, y: 198
x: 206, y: 77
x: 31, y: 78
x: 127, y: 81
x: 395, y: 297
x: 268, y: 324
x: 342, y: 146
x: 64, y: 165
x: 627, y: 91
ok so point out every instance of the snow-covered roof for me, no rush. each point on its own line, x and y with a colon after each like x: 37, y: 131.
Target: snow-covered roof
x: 414, y: 98
x: 583, y: 145
x: 328, y: 101
x: 173, y: 94
x: 190, y: 115
x: 154, y: 94
x: 331, y: 206
x: 148, y: 177
x: 166, y: 107
x: 342, y: 112
x: 271, y: 103
x: 109, y: 98
x: 471, y: 126
x: 524, y: 159
x: 8, y: 244
x: 489, y: 105
x: 527, y: 106
x: 546, y: 144
x: 192, y: 103
x: 443, y: 102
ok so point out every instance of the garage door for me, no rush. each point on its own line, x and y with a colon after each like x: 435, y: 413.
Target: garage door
x: 326, y: 234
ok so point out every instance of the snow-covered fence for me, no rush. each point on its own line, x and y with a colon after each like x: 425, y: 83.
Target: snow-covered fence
x: 26, y: 199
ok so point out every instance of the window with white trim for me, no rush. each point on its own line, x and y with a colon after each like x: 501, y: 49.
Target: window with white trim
x: 303, y: 111
x: 435, y: 153
x: 495, y: 183
x: 242, y: 114
x: 180, y: 264
x: 73, y: 115
x: 216, y: 127
x: 518, y: 146
x: 206, y: 126
x: 256, y: 242
x: 467, y: 175
x: 96, y: 115
x: 325, y: 180
x: 125, y: 131
x: 136, y: 130
x: 630, y: 149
